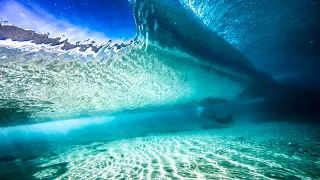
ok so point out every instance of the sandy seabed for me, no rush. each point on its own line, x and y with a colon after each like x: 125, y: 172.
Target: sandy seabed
x: 256, y: 151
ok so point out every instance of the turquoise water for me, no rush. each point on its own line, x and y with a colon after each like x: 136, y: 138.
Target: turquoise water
x: 159, y: 89
x: 252, y: 151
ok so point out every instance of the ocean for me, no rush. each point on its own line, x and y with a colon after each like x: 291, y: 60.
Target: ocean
x: 159, y: 89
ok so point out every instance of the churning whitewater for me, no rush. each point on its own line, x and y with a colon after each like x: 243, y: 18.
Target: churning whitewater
x: 165, y: 65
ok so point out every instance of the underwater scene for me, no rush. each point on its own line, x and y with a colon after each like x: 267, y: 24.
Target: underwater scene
x: 159, y: 89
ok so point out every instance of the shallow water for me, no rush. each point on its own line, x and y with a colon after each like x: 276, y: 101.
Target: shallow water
x: 159, y: 89
x: 254, y: 151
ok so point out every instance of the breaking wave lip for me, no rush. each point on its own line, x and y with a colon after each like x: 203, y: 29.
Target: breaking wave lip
x: 16, y: 37
x: 43, y: 78
x: 75, y: 86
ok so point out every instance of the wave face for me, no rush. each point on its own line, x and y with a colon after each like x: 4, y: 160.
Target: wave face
x: 166, y: 65
x: 271, y: 33
x: 244, y: 23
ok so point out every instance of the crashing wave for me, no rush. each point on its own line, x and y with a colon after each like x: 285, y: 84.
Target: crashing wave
x: 175, y: 60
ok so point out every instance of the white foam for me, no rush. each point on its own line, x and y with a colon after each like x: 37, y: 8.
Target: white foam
x: 42, y: 22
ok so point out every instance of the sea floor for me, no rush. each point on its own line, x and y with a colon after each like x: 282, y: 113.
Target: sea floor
x: 255, y: 151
